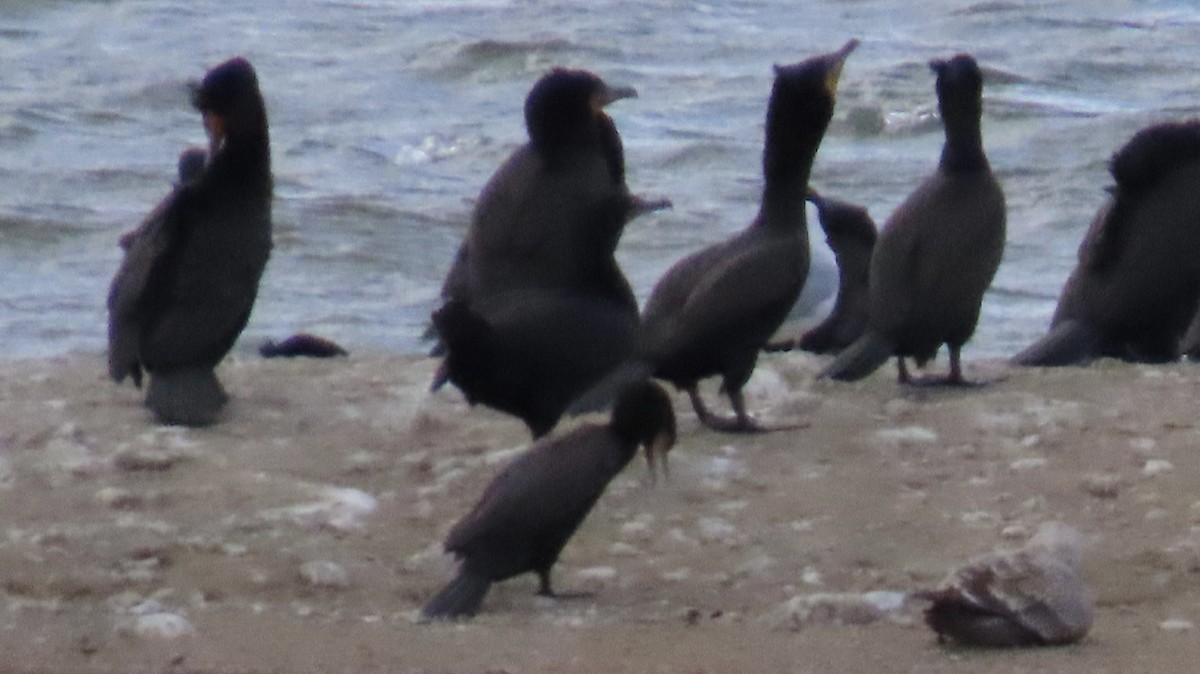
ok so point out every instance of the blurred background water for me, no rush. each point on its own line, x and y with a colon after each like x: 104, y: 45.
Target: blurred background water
x: 387, y: 117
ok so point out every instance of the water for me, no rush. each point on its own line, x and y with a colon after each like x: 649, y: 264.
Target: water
x: 388, y: 117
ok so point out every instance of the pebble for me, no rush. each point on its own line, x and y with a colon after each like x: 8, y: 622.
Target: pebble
x: 1030, y: 463
x: 149, y: 619
x: 338, y: 508
x: 898, y: 407
x: 321, y: 573
x: 146, y: 460
x: 907, y: 435
x: 836, y: 609
x: 1154, y: 467
x: 1176, y: 625
x: 596, y: 575
x: 636, y: 530
x: 619, y: 549
x: 160, y: 626
x: 717, y: 530
x: 1102, y: 485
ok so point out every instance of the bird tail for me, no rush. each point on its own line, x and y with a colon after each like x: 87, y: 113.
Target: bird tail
x: 460, y: 330
x: 461, y: 598
x: 603, y: 393
x: 1068, y: 343
x: 859, y: 359
x: 440, y: 377
x: 186, y: 397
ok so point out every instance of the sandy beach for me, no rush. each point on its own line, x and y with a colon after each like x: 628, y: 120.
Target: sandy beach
x: 302, y: 533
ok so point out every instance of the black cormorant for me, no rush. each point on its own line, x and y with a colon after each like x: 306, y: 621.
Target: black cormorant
x: 188, y: 281
x: 937, y: 253
x: 1135, y: 289
x: 531, y: 509
x: 713, y: 311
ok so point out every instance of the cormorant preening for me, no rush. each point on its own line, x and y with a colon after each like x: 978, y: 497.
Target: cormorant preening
x: 531, y: 509
x: 189, y: 167
x: 713, y: 311
x: 938, y: 252
x: 187, y: 284
x: 537, y: 310
x: 1135, y: 289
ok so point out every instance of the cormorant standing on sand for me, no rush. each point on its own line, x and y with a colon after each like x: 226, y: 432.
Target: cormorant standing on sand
x: 531, y: 509
x: 713, y: 311
x: 187, y: 284
x: 537, y: 310
x: 938, y: 252
x: 850, y: 233
x: 1134, y: 291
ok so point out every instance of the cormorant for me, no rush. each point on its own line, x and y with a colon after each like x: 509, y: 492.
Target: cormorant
x: 713, y: 311
x: 939, y: 250
x: 537, y: 311
x: 186, y: 286
x: 533, y: 507
x: 1136, y: 287
x: 850, y: 233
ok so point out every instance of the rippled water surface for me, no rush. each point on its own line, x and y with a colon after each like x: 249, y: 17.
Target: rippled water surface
x: 388, y: 117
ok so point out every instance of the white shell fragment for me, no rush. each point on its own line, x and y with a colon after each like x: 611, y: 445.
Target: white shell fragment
x: 808, y: 610
x: 324, y: 573
x: 1027, y: 597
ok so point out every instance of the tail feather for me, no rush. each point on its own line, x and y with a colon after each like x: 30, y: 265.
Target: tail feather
x: 602, y: 394
x: 860, y: 359
x: 440, y: 377
x: 186, y: 397
x: 1068, y: 343
x: 461, y: 598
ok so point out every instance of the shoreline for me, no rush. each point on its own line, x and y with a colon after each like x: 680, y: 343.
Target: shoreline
x: 303, y: 531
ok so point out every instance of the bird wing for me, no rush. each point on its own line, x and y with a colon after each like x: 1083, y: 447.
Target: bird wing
x: 940, y: 248
x: 729, y: 292
x: 144, y: 248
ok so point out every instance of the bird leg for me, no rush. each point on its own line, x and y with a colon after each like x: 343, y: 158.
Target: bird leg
x: 955, y: 378
x: 544, y: 589
x: 741, y: 423
x: 902, y: 371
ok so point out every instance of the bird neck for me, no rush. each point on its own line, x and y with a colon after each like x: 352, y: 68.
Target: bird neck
x: 963, y: 149
x: 783, y: 204
x: 243, y: 156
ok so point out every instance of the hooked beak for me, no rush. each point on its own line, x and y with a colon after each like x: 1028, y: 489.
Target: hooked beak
x: 838, y: 59
x: 613, y: 94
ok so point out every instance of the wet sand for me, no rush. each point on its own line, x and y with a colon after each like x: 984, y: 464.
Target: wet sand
x: 303, y: 532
